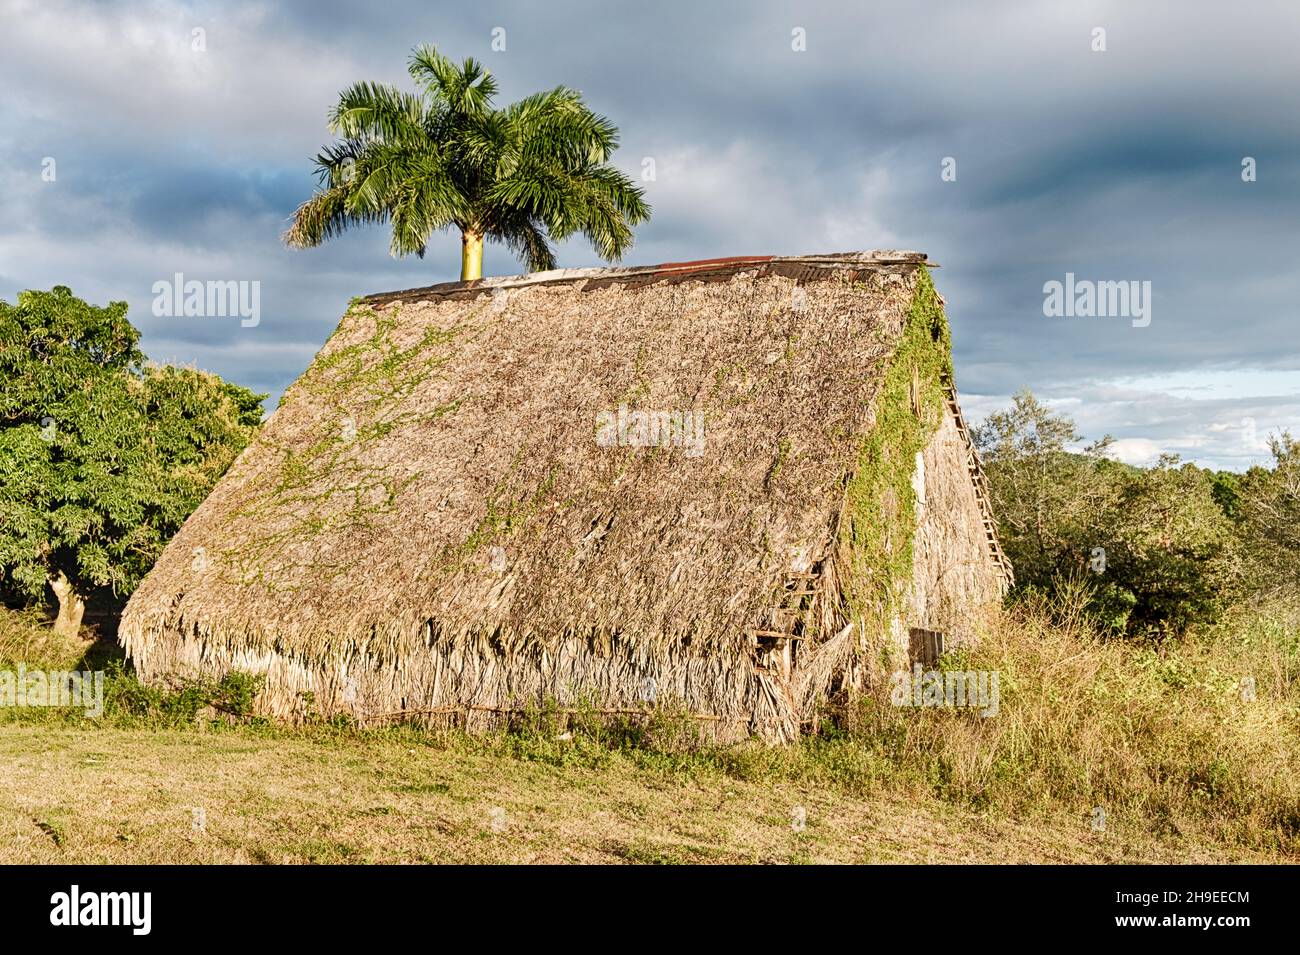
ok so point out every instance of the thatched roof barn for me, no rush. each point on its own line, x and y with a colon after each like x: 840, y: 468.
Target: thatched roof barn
x: 738, y: 487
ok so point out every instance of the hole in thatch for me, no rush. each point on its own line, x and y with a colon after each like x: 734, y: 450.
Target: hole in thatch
x: 925, y: 646
x: 775, y: 654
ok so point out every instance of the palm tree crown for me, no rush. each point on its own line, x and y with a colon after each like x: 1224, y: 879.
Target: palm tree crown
x: 528, y: 174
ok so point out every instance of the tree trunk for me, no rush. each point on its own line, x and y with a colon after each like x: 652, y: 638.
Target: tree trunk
x: 471, y: 255
x: 71, y: 607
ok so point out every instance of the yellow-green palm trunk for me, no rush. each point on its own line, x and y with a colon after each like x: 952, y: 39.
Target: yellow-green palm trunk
x: 471, y: 256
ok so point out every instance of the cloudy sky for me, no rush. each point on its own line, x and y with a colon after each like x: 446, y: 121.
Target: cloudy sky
x: 181, y: 137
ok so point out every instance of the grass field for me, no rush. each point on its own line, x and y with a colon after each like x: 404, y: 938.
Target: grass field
x: 114, y: 796
x: 1161, y: 739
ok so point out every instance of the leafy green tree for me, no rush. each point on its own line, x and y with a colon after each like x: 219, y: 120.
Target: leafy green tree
x: 1269, y: 519
x: 1046, y: 499
x: 1226, y: 488
x: 527, y: 174
x: 1152, y: 548
x: 102, y: 457
x: 1170, y: 546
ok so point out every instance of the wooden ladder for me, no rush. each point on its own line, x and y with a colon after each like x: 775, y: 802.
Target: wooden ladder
x: 775, y: 648
x: 976, y: 472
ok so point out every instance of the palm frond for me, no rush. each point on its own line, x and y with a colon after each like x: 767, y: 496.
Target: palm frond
x: 528, y: 240
x: 468, y: 89
x: 489, y: 145
x: 557, y: 125
x: 611, y: 184
x: 375, y: 111
x: 324, y: 216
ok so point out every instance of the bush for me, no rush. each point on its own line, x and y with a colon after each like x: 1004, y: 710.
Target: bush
x: 26, y: 640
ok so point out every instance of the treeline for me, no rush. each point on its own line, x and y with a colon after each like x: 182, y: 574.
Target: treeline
x: 1152, y: 551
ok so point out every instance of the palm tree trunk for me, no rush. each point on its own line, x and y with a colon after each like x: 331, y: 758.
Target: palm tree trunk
x: 471, y: 255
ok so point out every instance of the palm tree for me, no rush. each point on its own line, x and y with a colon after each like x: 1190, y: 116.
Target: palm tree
x: 529, y: 174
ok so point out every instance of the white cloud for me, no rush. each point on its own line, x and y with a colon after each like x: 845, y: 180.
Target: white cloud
x: 1139, y: 451
x: 128, y: 74
x: 1218, y: 427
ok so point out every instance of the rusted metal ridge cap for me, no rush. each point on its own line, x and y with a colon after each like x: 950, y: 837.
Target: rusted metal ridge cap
x: 804, y: 267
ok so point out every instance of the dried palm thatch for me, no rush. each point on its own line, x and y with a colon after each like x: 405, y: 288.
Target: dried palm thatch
x: 432, y: 525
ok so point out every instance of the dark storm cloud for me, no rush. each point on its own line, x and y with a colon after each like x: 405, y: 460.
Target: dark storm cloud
x: 1122, y: 165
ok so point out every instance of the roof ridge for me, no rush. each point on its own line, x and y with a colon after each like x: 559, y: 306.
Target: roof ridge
x: 824, y: 261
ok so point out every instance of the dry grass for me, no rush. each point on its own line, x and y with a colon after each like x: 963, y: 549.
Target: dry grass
x: 26, y: 636
x: 1158, y: 734
x: 128, y: 796
x: 1159, y: 737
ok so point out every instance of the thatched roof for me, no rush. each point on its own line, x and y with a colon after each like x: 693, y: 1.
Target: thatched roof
x: 434, y: 476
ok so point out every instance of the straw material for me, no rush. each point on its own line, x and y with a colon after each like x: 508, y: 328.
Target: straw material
x: 429, y: 527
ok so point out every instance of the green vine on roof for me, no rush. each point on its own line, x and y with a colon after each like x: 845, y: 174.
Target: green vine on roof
x: 329, y: 484
x: 503, y: 514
